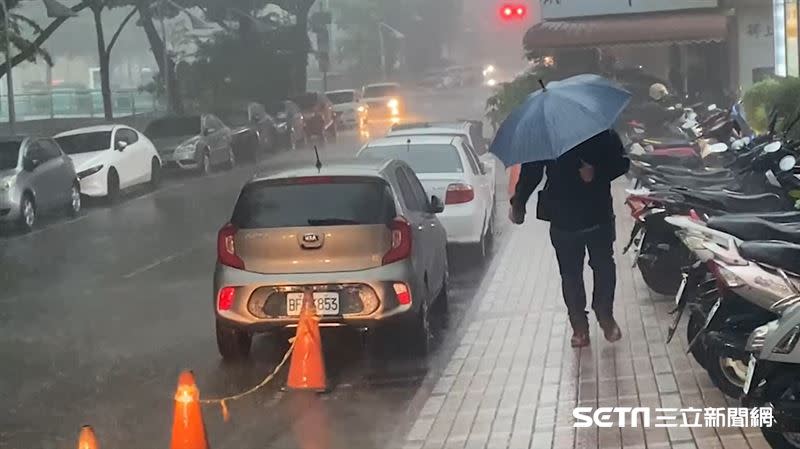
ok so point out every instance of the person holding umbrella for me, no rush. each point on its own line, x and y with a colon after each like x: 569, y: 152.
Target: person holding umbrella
x: 564, y: 130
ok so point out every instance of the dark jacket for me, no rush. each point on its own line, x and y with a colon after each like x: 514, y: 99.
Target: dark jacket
x: 573, y: 204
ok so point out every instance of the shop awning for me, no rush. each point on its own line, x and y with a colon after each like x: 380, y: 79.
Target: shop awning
x: 649, y: 29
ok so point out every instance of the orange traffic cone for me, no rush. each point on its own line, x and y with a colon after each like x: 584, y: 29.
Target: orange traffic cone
x: 86, y: 439
x: 188, y: 429
x: 307, y: 369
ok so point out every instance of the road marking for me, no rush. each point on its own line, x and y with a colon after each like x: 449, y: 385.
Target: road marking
x: 159, y: 262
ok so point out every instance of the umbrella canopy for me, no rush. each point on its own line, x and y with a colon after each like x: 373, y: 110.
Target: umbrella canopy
x: 555, y: 119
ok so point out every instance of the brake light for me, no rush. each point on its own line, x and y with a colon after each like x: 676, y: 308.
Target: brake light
x: 694, y: 215
x: 718, y: 279
x: 313, y: 180
x: 225, y: 298
x: 402, y: 293
x: 226, y: 249
x: 459, y: 193
x: 401, y: 241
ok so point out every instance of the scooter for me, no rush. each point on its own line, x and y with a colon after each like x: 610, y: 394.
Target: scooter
x: 753, y: 288
x: 772, y: 382
x: 659, y: 253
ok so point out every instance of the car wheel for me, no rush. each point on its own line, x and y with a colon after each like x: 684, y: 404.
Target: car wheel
x: 233, y: 344
x: 112, y: 191
x: 27, y: 213
x: 205, y: 164
x: 155, y: 173
x: 74, y: 206
x: 420, y: 333
x: 441, y: 307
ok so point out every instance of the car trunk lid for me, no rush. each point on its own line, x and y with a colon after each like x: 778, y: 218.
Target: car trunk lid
x: 313, y: 225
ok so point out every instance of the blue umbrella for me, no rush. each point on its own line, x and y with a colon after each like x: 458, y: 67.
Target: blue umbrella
x: 555, y: 119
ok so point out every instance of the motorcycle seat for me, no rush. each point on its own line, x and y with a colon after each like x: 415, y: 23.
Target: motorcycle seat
x: 710, y: 182
x: 684, y: 171
x: 755, y: 228
x: 773, y: 253
x: 737, y: 202
x: 788, y: 217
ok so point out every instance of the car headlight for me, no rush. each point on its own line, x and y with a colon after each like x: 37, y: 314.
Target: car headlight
x: 788, y: 342
x: 361, y: 109
x: 393, y: 103
x: 281, y: 126
x: 5, y: 183
x: 89, y: 172
x: 185, y: 149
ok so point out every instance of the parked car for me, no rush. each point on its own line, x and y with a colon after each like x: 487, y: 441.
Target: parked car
x: 362, y: 235
x: 36, y: 177
x: 471, y: 130
x: 350, y: 110
x: 198, y: 142
x: 111, y: 158
x: 384, y: 101
x: 317, y: 114
x: 289, y: 124
x: 449, y: 169
x: 253, y: 131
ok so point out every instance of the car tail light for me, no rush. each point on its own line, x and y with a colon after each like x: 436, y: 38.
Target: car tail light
x: 226, y: 249
x: 225, y: 298
x: 459, y: 193
x: 402, y: 293
x: 401, y: 241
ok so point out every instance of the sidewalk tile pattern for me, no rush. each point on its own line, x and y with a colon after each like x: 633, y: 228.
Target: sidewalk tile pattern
x: 513, y: 380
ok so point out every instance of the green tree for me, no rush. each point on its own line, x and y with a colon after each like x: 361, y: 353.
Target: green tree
x: 104, y: 50
x: 30, y: 49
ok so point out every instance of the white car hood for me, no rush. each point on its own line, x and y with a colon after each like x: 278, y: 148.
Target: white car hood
x: 84, y: 161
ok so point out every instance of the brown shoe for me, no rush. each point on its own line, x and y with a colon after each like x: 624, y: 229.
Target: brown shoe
x: 579, y: 339
x: 611, y: 330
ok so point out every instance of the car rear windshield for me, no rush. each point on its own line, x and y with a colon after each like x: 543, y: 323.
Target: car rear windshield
x: 9, y: 155
x: 341, y: 97
x: 173, y: 127
x: 314, y: 202
x: 380, y: 91
x: 86, y: 142
x: 423, y: 158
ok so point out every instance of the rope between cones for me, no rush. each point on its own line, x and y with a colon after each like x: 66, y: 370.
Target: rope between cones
x: 222, y: 401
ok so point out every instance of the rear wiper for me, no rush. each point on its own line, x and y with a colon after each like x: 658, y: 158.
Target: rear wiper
x: 331, y: 222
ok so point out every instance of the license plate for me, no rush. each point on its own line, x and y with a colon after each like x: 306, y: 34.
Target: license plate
x: 326, y: 303
x: 681, y: 289
x: 751, y: 369
x: 712, y: 312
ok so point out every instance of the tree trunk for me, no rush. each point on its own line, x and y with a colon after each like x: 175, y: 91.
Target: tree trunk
x: 300, y: 56
x: 105, y: 79
x: 157, y: 48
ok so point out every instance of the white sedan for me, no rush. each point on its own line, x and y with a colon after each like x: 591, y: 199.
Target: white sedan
x: 449, y: 169
x: 110, y: 158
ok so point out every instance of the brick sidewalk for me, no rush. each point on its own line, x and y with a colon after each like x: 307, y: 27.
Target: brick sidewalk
x: 513, y: 380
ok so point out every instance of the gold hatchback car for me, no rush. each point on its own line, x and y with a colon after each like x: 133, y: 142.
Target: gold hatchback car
x: 361, y: 235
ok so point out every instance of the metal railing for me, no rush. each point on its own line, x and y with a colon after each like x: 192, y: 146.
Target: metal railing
x: 78, y: 103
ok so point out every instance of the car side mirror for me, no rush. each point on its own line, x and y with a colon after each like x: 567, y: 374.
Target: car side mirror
x: 121, y: 145
x: 29, y: 164
x: 437, y: 206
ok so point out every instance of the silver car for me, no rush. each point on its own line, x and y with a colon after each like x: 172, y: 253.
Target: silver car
x: 361, y: 235
x: 35, y: 177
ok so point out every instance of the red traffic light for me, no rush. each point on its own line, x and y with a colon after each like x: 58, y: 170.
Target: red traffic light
x: 511, y: 12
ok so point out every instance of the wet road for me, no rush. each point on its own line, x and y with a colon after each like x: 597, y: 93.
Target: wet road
x: 99, y: 314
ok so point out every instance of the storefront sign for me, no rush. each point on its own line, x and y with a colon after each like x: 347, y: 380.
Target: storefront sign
x: 558, y: 9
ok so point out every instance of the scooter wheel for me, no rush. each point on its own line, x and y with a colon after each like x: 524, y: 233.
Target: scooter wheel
x: 727, y: 373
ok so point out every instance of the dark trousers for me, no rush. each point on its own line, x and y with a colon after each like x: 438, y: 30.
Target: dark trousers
x: 571, y: 247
